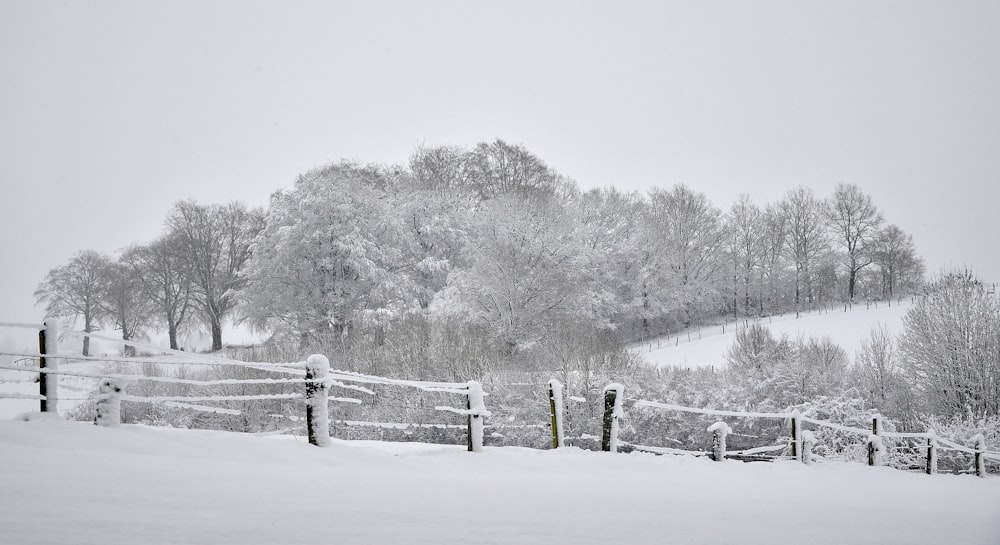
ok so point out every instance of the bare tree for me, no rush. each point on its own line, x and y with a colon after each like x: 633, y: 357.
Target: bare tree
x: 895, y: 255
x: 76, y: 290
x: 949, y: 347
x: 806, y: 238
x: 125, y: 303
x: 774, y: 233
x: 693, y: 236
x: 216, y: 242
x: 165, y: 280
x: 497, y: 168
x: 855, y: 221
x: 746, y: 234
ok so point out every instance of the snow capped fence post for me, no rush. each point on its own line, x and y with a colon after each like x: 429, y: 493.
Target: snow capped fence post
x: 477, y: 410
x: 875, y: 447
x: 556, y: 411
x: 719, y: 432
x: 109, y: 403
x: 48, y: 383
x: 980, y: 460
x: 612, y: 412
x: 796, y: 434
x: 317, y: 400
x: 808, y: 442
x: 931, y: 453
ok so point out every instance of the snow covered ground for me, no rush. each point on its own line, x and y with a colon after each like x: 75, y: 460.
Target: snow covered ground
x: 67, y: 482
x: 847, y: 329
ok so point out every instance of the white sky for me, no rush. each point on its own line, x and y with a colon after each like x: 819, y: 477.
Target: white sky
x: 111, y: 111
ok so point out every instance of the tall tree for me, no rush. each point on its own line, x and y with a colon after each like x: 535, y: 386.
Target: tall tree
x: 216, y: 242
x: 76, y: 290
x: 746, y: 234
x: 497, y: 168
x: 125, y: 303
x: 949, y: 346
x: 774, y: 233
x: 895, y: 255
x: 165, y: 280
x: 692, y: 239
x: 855, y: 221
x: 331, y: 255
x: 806, y: 240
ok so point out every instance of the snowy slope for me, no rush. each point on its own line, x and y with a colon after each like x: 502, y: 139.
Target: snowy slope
x: 847, y: 329
x: 67, y: 482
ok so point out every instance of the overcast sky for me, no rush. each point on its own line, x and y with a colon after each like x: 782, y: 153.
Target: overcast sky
x: 112, y: 111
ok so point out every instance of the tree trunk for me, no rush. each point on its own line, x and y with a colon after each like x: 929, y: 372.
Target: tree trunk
x: 851, y: 280
x: 216, y: 334
x: 87, y: 328
x: 172, y: 333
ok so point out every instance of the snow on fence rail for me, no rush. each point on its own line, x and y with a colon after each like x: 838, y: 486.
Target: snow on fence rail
x: 315, y: 374
x: 801, y: 441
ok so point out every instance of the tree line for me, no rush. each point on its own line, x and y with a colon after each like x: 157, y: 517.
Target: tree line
x: 490, y: 240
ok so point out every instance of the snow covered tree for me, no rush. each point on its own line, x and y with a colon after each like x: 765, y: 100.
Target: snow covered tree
x: 331, y: 255
x: 165, y: 280
x: 806, y: 240
x: 878, y: 375
x: 950, y: 344
x: 497, y: 168
x: 773, y: 235
x: 216, y: 241
x: 895, y: 255
x: 691, y: 239
x: 525, y: 269
x: 855, y: 221
x: 76, y: 290
x: 126, y: 305
x: 745, y: 226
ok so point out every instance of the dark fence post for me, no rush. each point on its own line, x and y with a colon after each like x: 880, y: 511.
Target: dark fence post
x: 556, y: 412
x: 796, y: 434
x: 612, y: 412
x: 317, y: 400
x: 48, y: 383
x: 980, y: 460
x: 931, y: 453
x: 875, y: 447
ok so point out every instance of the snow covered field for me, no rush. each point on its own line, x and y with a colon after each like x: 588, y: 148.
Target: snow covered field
x: 67, y: 482
x: 847, y: 329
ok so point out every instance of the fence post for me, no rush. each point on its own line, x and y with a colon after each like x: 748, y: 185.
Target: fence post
x: 612, y: 412
x: 556, y: 411
x: 875, y: 446
x: 109, y: 403
x: 796, y: 434
x: 317, y: 400
x: 931, y: 453
x: 980, y: 460
x: 719, y: 432
x: 48, y: 383
x: 477, y: 410
x: 808, y: 442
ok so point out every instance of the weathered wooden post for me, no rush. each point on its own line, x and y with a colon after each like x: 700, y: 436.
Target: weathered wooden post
x: 477, y: 410
x: 980, y: 461
x: 48, y: 383
x: 931, y: 453
x: 796, y: 434
x: 808, y: 442
x: 109, y: 403
x: 875, y: 446
x: 556, y: 412
x: 317, y: 400
x: 612, y: 412
x: 719, y: 432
